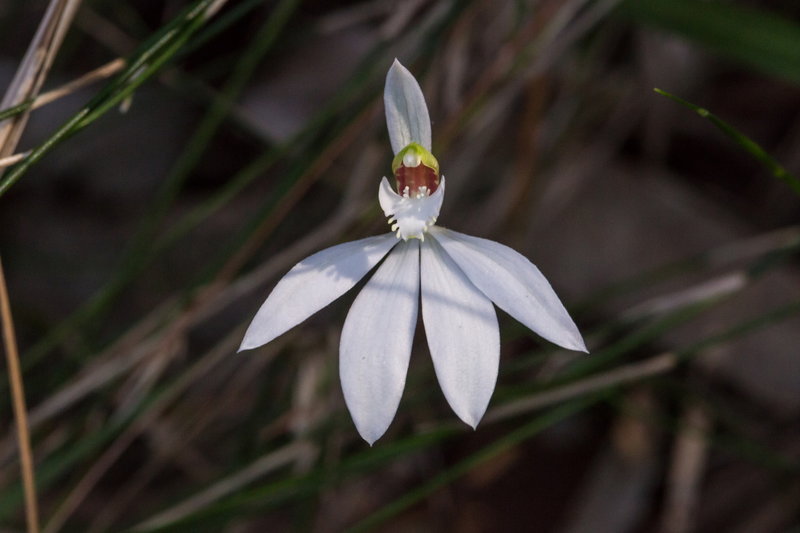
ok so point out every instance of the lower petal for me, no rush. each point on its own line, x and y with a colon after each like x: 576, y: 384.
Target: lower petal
x: 376, y: 342
x: 514, y: 284
x: 312, y: 284
x: 463, y: 337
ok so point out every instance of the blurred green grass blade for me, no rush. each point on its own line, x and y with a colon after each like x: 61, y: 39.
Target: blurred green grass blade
x: 636, y: 339
x: 732, y: 434
x: 54, y: 468
x: 221, y: 23
x: 15, y: 110
x: 278, y: 491
x: 149, y: 59
x: 284, y: 490
x: 292, y: 488
x: 752, y: 147
x: 654, y: 329
x: 741, y: 329
x: 140, y: 250
x: 60, y: 464
x: 505, y: 443
x: 134, y: 259
x: 755, y: 37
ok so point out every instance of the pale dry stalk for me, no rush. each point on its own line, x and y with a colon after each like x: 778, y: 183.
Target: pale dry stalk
x: 34, y: 69
x: 20, y: 412
x: 26, y: 84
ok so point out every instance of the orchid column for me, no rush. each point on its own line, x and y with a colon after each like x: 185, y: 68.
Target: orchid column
x: 458, y: 277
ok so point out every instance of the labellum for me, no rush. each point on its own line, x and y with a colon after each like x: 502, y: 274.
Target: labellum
x: 416, y: 172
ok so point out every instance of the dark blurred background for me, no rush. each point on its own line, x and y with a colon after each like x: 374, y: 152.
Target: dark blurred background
x: 138, y: 249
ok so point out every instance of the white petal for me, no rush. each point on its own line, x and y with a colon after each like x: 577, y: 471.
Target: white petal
x: 406, y: 113
x: 312, y: 284
x: 514, y: 284
x: 462, y: 332
x: 412, y: 216
x: 376, y: 342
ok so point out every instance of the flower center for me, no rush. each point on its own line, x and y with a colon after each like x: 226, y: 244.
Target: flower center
x: 414, y: 180
x: 416, y: 171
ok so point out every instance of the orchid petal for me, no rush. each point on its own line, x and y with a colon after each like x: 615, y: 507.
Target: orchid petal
x: 376, y: 342
x: 312, y: 284
x: 462, y: 331
x: 514, y: 284
x: 406, y: 112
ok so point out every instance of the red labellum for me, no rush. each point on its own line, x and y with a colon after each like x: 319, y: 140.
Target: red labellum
x: 415, y: 178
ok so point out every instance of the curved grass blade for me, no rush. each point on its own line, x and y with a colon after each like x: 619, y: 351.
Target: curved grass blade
x: 16, y: 110
x: 503, y: 444
x: 752, y: 147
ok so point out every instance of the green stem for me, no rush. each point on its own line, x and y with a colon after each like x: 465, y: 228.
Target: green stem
x: 752, y: 147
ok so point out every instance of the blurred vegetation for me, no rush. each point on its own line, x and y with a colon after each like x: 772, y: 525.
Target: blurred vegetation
x: 154, y: 210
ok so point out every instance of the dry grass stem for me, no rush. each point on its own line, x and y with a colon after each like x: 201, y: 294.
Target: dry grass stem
x: 102, y: 72
x: 34, y: 69
x: 262, y: 466
x: 145, y: 420
x: 18, y: 401
x: 619, y: 376
x: 298, y: 191
x: 718, y: 287
x: 688, y: 465
x: 12, y: 159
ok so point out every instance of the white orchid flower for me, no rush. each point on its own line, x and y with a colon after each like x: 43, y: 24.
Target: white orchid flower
x: 458, y: 276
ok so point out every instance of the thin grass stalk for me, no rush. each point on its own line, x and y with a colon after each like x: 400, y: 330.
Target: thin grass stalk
x: 101, y: 72
x: 20, y: 411
x: 141, y: 251
x: 748, y: 144
x: 154, y: 54
x: 12, y: 159
x: 138, y: 425
x: 34, y: 68
x: 503, y: 444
